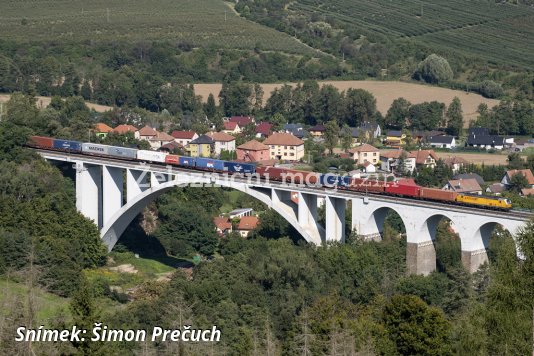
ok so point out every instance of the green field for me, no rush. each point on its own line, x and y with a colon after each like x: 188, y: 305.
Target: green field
x: 200, y: 22
x: 498, y: 32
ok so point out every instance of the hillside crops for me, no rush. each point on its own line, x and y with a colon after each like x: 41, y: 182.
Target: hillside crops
x: 198, y: 22
x: 499, y: 32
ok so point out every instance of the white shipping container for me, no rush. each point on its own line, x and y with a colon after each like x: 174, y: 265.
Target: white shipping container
x: 151, y: 156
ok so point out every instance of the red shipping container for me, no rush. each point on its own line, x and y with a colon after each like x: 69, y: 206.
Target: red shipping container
x: 41, y: 141
x: 301, y: 177
x: 364, y: 185
x: 172, y: 159
x: 437, y: 194
x: 404, y: 190
x: 273, y: 172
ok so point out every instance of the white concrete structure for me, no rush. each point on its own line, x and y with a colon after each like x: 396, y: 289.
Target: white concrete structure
x: 100, y: 197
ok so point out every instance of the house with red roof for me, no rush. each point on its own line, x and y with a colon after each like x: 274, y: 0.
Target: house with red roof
x: 263, y: 129
x: 507, y: 179
x: 253, y: 151
x: 242, y: 121
x: 147, y: 132
x: 184, y: 137
x: 285, y: 146
x: 101, y: 130
x: 247, y: 224
x: 231, y: 128
x: 124, y: 129
x: 222, y: 225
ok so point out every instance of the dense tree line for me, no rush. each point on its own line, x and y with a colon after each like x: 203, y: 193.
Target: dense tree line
x: 135, y: 74
x: 510, y: 117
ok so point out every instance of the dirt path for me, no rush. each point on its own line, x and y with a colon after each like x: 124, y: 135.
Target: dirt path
x: 385, y: 92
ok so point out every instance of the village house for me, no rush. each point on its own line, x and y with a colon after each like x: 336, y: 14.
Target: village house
x: 184, y: 137
x: 202, y: 146
x: 171, y: 147
x: 222, y: 142
x: 101, y: 130
x: 263, y: 129
x: 231, y: 128
x: 242, y: 121
x: 365, y: 153
x: 480, y: 137
x: 507, y: 179
x: 527, y: 191
x: 422, y: 136
x: 463, y: 186
x: 474, y: 176
x: 455, y: 163
x: 395, y: 138
x: 124, y: 129
x: 296, y: 130
x: 496, y: 188
x: 253, y: 151
x: 367, y: 131
x: 146, y: 133
x: 222, y: 225
x: 396, y: 161
x: 160, y: 139
x: 284, y: 146
x: 442, y: 141
x: 247, y: 224
x: 317, y: 131
x: 424, y: 158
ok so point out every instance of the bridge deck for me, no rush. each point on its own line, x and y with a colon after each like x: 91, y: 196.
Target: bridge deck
x: 339, y: 193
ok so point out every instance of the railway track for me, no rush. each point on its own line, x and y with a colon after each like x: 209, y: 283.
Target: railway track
x: 262, y: 183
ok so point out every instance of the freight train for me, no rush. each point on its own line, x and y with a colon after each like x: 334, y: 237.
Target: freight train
x: 405, y: 188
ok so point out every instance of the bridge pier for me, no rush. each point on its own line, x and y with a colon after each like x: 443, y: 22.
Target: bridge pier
x: 335, y: 219
x: 112, y: 191
x: 420, y: 257
x: 88, y: 191
x: 307, y: 215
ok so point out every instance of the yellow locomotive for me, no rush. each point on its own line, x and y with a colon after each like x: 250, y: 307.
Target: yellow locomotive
x: 484, y: 201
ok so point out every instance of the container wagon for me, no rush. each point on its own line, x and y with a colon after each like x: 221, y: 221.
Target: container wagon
x: 41, y: 141
x: 367, y: 186
x: 186, y: 161
x: 237, y: 167
x: 151, y: 156
x: 437, y: 194
x: 403, y: 190
x: 93, y: 148
x: 172, y: 159
x: 209, y: 164
x: 122, y: 152
x: 68, y: 145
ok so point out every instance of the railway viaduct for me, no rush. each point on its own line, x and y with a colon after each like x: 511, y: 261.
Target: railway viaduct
x: 113, y: 192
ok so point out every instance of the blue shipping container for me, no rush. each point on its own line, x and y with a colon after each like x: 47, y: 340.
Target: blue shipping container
x: 328, y: 179
x: 210, y: 164
x: 68, y: 145
x: 187, y: 161
x: 239, y: 167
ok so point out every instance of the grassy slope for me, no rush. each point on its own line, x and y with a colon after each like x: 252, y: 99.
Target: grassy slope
x: 201, y: 22
x: 48, y: 305
x: 498, y: 32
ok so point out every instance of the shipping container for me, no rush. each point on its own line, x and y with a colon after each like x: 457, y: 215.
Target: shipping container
x: 367, y: 186
x: 237, y: 167
x: 210, y: 164
x: 272, y: 173
x: 404, y: 190
x: 294, y: 176
x: 93, y: 148
x: 172, y: 159
x: 437, y: 194
x: 68, y: 145
x: 122, y: 152
x: 151, y: 156
x: 40, y: 141
x: 186, y: 161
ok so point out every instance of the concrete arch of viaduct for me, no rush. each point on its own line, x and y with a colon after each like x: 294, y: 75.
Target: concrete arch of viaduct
x: 421, y: 225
